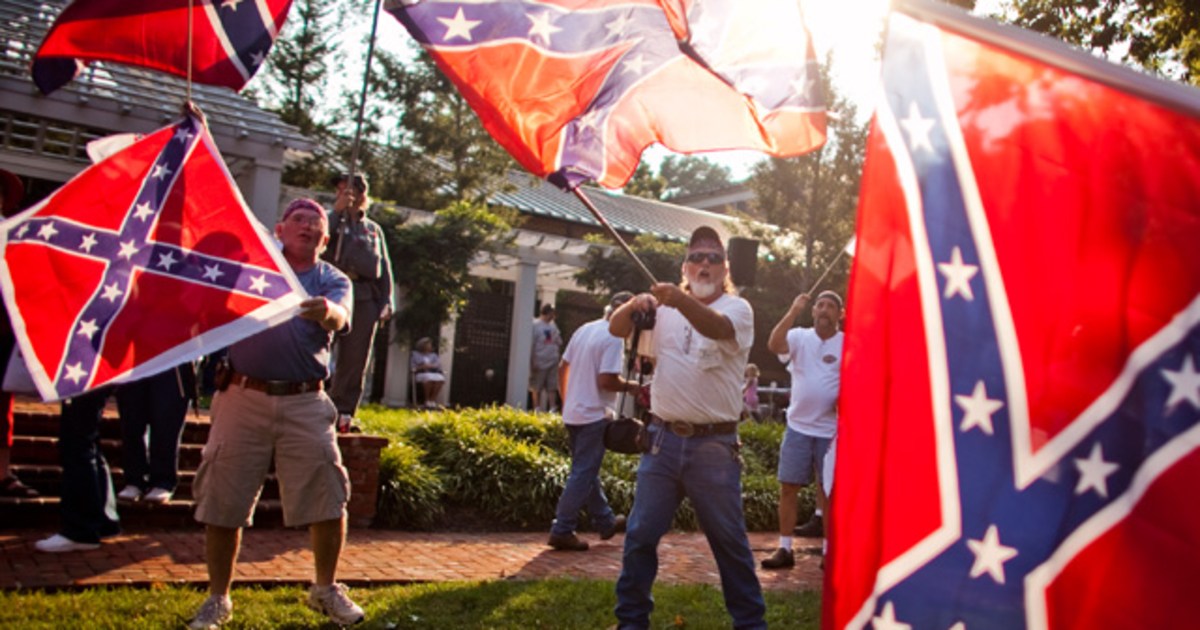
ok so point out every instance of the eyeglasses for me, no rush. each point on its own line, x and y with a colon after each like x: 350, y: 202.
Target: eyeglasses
x: 713, y: 258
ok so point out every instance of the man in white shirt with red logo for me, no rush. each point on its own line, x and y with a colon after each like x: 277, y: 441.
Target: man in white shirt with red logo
x: 815, y: 362
x: 591, y: 378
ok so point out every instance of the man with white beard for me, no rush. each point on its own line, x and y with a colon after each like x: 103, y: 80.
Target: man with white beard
x: 702, y: 339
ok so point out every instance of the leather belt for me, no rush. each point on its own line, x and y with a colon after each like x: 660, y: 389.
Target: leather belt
x: 276, y: 388
x: 692, y: 429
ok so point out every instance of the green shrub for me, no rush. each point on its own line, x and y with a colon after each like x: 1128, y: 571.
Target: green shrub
x: 411, y: 493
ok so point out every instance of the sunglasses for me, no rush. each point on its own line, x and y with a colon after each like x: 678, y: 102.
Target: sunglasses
x: 713, y: 258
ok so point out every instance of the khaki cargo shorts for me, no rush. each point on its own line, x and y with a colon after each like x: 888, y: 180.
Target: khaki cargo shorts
x: 249, y: 429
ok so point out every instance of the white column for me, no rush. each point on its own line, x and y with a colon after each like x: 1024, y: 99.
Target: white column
x: 446, y: 355
x: 396, y: 385
x: 521, y: 348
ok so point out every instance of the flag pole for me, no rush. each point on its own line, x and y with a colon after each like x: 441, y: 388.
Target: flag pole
x: 191, y: 41
x: 612, y: 232
x: 362, y: 105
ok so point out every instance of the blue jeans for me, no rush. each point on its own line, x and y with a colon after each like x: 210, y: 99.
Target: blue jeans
x: 159, y: 404
x: 583, y: 484
x: 89, y: 508
x: 708, y: 471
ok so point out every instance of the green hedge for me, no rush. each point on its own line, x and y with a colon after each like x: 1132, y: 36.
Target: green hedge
x: 507, y: 468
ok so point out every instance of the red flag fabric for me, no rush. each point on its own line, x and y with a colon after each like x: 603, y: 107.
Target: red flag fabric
x: 1019, y: 438
x: 231, y: 38
x: 143, y: 261
x: 577, y: 89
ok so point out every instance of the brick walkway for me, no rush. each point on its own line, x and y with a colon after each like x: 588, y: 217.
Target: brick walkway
x: 281, y: 556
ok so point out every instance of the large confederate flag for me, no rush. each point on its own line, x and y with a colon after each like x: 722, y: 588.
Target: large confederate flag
x: 231, y: 38
x: 576, y: 89
x: 145, y: 260
x: 1019, y: 445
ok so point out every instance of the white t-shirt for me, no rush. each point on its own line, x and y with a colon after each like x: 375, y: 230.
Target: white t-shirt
x: 546, y: 343
x: 816, y: 367
x: 697, y: 379
x: 592, y: 351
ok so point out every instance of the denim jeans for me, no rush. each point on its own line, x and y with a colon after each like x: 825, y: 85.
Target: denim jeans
x: 159, y: 404
x: 583, y: 484
x: 708, y: 471
x: 89, y: 507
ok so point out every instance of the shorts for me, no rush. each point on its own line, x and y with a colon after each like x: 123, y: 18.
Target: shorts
x: 546, y: 379
x: 249, y: 429
x: 799, y: 456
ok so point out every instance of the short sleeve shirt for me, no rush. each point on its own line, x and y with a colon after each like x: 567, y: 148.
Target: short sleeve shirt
x: 816, y: 366
x: 592, y: 351
x: 547, y: 343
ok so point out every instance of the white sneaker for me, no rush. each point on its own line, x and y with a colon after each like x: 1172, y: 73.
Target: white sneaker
x: 129, y: 493
x: 60, y: 544
x: 158, y: 495
x: 335, y: 603
x: 214, y: 612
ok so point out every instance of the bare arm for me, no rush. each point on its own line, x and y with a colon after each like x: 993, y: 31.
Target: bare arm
x: 777, y: 342
x: 620, y: 324
x: 564, y: 371
x: 614, y: 383
x: 705, y: 320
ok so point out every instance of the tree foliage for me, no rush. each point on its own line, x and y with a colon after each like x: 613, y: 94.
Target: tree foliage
x: 645, y: 183
x: 431, y: 262
x: 691, y: 175
x: 1162, y: 36
x: 612, y: 270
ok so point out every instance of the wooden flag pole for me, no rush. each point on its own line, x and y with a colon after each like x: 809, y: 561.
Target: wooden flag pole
x: 613, y: 233
x: 347, y: 222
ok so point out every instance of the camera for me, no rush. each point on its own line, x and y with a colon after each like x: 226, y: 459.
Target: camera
x: 643, y: 320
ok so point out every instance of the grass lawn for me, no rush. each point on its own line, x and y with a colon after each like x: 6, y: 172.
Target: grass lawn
x: 548, y: 604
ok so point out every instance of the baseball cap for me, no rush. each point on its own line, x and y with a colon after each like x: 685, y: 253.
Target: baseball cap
x: 303, y: 203
x: 833, y: 295
x: 705, y: 234
x: 360, y: 181
x: 620, y: 298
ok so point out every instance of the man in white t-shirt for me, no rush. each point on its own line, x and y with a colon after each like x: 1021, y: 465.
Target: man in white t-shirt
x: 814, y: 358
x: 702, y: 338
x: 590, y: 375
x: 543, y: 360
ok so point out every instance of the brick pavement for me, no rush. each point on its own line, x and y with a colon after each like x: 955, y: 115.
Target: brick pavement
x: 281, y: 556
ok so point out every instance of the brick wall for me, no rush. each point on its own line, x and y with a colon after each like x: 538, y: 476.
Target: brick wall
x: 360, y: 456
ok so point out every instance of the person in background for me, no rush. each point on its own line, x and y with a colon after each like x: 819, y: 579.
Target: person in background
x: 158, y: 405
x: 11, y: 193
x: 358, y: 249
x: 427, y: 371
x: 750, y: 393
x: 547, y: 348
x: 591, y: 379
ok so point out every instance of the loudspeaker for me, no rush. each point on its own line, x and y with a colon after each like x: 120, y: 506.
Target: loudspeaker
x: 743, y: 258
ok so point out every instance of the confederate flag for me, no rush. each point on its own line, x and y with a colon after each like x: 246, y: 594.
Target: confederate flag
x: 576, y: 89
x: 141, y: 262
x: 231, y: 38
x: 1019, y: 441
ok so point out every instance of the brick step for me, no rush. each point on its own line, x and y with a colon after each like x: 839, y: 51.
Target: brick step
x: 46, y: 424
x: 43, y: 451
x: 43, y: 513
x: 47, y: 480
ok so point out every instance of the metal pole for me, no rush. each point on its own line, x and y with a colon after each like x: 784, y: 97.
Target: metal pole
x: 348, y: 221
x: 613, y: 233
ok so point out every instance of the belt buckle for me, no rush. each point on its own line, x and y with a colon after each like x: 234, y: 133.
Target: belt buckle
x: 683, y: 429
x: 278, y: 388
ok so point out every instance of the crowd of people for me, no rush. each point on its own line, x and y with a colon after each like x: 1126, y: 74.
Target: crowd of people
x: 291, y: 388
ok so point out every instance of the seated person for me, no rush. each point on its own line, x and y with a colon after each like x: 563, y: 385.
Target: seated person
x: 427, y: 371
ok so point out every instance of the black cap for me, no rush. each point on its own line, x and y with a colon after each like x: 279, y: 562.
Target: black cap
x: 360, y: 181
x: 620, y: 298
x: 705, y: 233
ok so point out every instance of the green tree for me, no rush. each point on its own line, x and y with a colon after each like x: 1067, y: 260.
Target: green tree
x: 431, y: 262
x: 691, y: 174
x: 645, y: 183
x: 609, y: 271
x: 1162, y: 36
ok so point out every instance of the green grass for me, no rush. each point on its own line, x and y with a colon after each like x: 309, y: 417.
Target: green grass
x: 549, y: 604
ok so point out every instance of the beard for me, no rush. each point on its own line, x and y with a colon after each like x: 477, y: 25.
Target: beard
x: 702, y: 289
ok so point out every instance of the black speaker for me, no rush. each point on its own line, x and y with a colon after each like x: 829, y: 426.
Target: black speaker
x: 743, y: 258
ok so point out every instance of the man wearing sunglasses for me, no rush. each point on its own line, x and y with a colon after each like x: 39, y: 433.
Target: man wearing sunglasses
x: 702, y: 339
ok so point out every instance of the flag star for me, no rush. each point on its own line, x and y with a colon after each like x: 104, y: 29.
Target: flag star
x: 160, y: 172
x: 213, y: 271
x: 22, y: 230
x: 183, y: 135
x: 259, y: 284
x: 542, y: 27
x: 959, y: 626
x: 618, y: 26
x: 977, y: 409
x: 958, y: 276
x: 458, y: 26
x: 112, y: 292
x: 230, y: 4
x: 256, y: 58
x: 47, y: 232
x: 142, y: 211
x: 166, y: 260
x: 75, y: 372
x: 589, y: 120
x: 635, y: 64
x: 128, y: 249
x: 887, y: 619
x: 1094, y: 472
x: 1185, y: 384
x: 89, y: 241
x: 918, y: 128
x: 990, y: 555
x: 87, y: 328
x: 804, y: 85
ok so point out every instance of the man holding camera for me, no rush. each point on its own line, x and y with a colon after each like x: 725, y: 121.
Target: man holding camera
x: 702, y: 338
x: 358, y: 249
x: 591, y: 378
